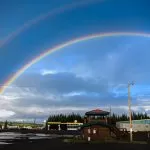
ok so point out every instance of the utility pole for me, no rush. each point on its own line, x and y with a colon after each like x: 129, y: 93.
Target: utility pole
x: 110, y: 119
x: 130, y: 113
x: 110, y: 111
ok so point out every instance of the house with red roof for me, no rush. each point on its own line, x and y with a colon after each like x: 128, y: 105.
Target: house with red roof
x: 96, y: 126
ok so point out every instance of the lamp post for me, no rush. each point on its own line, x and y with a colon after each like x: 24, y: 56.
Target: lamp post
x: 129, y: 107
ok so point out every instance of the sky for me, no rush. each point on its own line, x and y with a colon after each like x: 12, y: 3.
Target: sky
x: 82, y: 76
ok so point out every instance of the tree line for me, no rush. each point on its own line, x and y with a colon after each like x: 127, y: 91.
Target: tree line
x: 114, y: 117
x: 124, y: 117
x: 65, y: 118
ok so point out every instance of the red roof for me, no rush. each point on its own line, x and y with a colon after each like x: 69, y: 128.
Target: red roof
x: 97, y: 112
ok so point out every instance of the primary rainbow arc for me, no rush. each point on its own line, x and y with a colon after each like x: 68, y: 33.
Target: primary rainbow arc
x: 59, y: 47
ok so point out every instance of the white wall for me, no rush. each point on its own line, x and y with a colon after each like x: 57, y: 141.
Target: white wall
x: 135, y: 127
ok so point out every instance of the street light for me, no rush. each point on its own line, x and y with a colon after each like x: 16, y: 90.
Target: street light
x: 129, y: 105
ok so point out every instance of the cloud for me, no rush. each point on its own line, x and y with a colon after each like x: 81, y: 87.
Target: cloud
x: 29, y: 103
x: 6, y: 113
x: 144, y: 101
x: 83, y: 80
x: 41, y: 105
x: 52, y: 93
x: 46, y: 72
x: 74, y: 94
x: 59, y: 83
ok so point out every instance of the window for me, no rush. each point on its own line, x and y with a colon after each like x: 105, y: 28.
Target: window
x: 89, y: 131
x: 94, y: 131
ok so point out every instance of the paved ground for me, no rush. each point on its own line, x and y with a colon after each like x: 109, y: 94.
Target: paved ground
x: 41, y: 142
x: 58, y: 144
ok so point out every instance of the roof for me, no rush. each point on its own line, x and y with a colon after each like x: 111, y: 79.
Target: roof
x: 78, y: 123
x: 97, y: 112
x: 141, y: 121
x: 96, y: 123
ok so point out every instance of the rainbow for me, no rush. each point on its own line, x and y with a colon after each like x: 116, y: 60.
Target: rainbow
x: 12, y: 78
x: 42, y: 17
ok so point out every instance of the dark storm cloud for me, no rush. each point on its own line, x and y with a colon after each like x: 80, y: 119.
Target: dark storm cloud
x: 61, y: 83
x: 76, y: 101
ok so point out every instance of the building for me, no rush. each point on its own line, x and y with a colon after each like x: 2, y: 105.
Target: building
x: 64, y: 126
x: 137, y: 125
x: 96, y: 126
x: 95, y: 131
